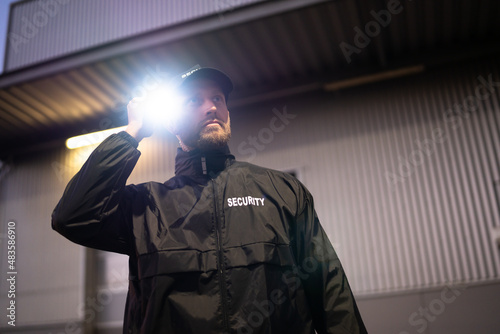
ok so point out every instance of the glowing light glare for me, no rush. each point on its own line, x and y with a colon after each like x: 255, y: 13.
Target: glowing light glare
x: 91, y: 138
x: 163, y: 105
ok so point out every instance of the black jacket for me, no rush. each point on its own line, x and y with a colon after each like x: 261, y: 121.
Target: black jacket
x: 222, y: 247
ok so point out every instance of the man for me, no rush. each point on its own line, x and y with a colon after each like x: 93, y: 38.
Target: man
x: 223, y: 246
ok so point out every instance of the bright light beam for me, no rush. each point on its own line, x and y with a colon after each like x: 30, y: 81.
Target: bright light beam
x: 161, y: 105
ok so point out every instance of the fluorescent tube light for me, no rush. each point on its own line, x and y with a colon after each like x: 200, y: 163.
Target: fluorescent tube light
x: 91, y: 138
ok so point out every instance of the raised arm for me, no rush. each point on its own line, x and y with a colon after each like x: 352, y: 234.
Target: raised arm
x: 95, y: 209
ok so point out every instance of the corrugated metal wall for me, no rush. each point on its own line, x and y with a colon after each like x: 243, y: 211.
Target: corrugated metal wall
x: 50, y: 270
x: 403, y: 174
x: 42, y: 30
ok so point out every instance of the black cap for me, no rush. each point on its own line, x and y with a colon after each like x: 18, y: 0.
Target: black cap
x: 213, y: 74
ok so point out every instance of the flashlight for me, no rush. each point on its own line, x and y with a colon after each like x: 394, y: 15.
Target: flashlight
x: 163, y: 106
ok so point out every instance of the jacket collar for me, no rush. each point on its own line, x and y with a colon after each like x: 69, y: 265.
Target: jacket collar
x: 198, y: 163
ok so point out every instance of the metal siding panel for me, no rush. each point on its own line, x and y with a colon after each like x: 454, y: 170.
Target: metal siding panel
x: 476, y: 174
x: 383, y: 256
x: 463, y: 195
x: 433, y: 191
x: 73, y: 25
x: 50, y: 269
x: 430, y: 229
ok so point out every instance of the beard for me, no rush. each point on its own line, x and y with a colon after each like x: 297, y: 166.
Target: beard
x: 212, y: 137
x: 208, y: 138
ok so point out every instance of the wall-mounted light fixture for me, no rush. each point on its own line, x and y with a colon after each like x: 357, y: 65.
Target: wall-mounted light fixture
x: 91, y: 138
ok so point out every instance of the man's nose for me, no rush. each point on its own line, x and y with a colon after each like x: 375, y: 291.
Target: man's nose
x: 211, y: 108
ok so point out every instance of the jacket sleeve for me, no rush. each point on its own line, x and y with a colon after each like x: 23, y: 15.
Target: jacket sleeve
x: 95, y: 209
x: 329, y: 295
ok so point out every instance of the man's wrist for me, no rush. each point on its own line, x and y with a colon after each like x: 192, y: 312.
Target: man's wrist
x: 128, y: 137
x: 134, y: 132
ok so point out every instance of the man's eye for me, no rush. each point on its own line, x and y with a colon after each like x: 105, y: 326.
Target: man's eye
x: 192, y: 101
x: 217, y: 99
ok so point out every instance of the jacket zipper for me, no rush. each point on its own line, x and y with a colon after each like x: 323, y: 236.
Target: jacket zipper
x: 220, y: 261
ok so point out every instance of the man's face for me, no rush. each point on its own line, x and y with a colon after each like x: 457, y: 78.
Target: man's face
x: 204, y: 121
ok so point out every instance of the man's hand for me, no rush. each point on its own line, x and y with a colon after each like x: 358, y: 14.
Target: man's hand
x: 140, y: 123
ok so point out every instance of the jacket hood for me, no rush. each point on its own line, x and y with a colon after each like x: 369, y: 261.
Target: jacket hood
x: 197, y: 163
